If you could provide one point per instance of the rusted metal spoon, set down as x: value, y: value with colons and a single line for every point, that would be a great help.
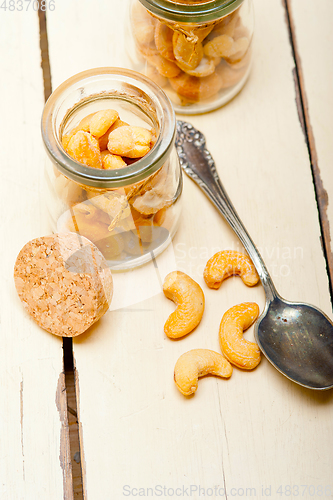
x: 296, y: 338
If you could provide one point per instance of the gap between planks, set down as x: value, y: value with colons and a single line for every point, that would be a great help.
x: 44, y: 49
x: 72, y: 415
x: 303, y: 110
x: 73, y: 424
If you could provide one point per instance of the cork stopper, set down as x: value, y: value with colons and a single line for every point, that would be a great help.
x: 63, y: 282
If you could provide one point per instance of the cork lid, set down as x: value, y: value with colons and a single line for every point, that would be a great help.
x: 63, y: 282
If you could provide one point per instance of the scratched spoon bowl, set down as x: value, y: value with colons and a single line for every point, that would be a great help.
x: 297, y: 338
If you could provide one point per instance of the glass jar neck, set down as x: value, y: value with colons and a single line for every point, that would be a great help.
x: 183, y: 11
x: 126, y: 85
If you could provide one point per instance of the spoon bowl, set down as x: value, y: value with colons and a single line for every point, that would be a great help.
x: 296, y: 338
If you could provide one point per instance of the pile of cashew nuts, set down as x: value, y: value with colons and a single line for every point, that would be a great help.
x: 190, y: 301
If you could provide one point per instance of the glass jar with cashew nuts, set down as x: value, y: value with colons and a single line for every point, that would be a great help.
x: 113, y: 173
x: 198, y: 51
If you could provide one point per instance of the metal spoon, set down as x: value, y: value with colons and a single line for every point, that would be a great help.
x: 296, y: 338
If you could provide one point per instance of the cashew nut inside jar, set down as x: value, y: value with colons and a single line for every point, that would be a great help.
x: 198, y: 51
x: 112, y: 171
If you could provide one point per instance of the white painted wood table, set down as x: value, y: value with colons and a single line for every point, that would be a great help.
x: 257, y: 434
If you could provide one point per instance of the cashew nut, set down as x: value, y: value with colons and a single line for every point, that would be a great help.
x: 84, y: 148
x: 236, y: 349
x: 205, y: 68
x: 197, y: 363
x: 190, y: 300
x: 163, y: 41
x: 227, y: 263
x: 144, y: 24
x: 194, y: 88
x: 101, y: 121
x: 155, y: 194
x: 187, y: 53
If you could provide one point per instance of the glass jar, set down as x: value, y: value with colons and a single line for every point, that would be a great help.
x: 130, y: 213
x: 198, y: 51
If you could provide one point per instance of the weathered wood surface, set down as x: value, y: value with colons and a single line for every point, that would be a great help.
x: 33, y: 427
x: 313, y: 36
x: 257, y: 430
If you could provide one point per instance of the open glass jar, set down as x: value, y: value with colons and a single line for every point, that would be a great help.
x: 198, y: 51
x: 130, y: 213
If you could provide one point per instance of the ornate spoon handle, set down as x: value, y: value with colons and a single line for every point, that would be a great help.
x: 198, y: 164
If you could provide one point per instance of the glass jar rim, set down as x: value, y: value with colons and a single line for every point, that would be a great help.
x: 191, y: 13
x: 98, y: 178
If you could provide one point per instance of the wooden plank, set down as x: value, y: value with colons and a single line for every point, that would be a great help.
x: 33, y: 419
x: 312, y: 34
x: 98, y: 38
x: 257, y: 430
